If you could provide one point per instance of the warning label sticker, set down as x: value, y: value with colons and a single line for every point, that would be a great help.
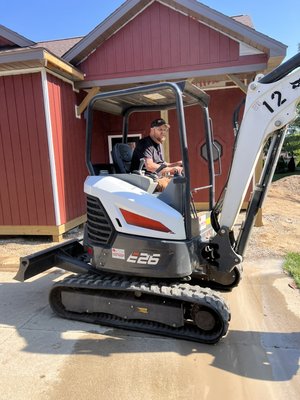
x: 118, y: 253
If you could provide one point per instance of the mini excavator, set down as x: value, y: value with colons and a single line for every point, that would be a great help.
x: 143, y: 263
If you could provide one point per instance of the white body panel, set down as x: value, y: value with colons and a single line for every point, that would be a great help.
x: 268, y: 108
x: 115, y: 194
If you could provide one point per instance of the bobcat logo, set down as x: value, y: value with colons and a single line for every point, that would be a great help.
x: 295, y: 84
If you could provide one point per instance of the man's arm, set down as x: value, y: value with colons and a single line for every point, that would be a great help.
x: 171, y: 168
x: 175, y: 164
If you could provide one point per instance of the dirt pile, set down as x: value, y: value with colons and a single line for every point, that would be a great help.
x: 280, y: 232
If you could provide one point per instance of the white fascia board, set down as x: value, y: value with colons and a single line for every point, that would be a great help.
x: 246, y: 50
x: 21, y: 71
x: 51, y: 147
x: 172, y: 76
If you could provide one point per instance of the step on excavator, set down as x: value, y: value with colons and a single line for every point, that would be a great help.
x: 145, y: 263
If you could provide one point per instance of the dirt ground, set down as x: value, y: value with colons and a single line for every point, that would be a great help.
x: 279, y: 234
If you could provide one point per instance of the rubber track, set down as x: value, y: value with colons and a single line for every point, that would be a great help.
x: 178, y: 291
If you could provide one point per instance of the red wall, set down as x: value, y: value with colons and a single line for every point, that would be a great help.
x: 69, y: 148
x: 107, y: 124
x: 161, y: 40
x: 26, y: 190
x: 221, y: 109
x: 25, y: 182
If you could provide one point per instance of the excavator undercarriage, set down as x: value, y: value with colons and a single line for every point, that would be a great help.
x: 178, y: 308
x: 170, y: 309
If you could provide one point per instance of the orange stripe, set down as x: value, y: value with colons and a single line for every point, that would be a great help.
x: 143, y: 222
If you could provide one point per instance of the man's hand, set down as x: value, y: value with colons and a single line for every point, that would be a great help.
x: 174, y: 168
x: 169, y: 168
x: 177, y: 170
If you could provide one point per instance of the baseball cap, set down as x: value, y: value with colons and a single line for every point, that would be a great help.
x: 159, y: 122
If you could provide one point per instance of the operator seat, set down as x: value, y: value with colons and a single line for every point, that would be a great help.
x: 122, y: 155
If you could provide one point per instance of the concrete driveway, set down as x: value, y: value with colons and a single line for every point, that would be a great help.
x: 45, y: 357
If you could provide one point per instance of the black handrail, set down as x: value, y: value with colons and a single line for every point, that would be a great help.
x: 182, y: 134
x: 282, y: 70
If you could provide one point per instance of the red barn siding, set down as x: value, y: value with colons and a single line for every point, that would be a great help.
x: 101, y: 129
x: 108, y: 124
x: 222, y: 105
x: 69, y: 148
x: 25, y: 191
x: 160, y: 40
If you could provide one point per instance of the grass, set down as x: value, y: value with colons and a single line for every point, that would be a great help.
x: 292, y: 266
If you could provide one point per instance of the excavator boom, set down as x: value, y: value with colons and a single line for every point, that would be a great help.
x: 271, y: 105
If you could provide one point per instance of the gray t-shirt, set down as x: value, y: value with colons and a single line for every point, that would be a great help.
x: 146, y: 148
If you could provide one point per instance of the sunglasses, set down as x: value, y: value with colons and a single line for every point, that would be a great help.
x: 162, y: 129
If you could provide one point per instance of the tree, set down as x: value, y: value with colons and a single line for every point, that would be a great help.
x: 281, y: 166
x: 291, y: 165
x: 292, y: 141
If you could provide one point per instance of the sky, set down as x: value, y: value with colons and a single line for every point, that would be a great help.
x: 41, y: 20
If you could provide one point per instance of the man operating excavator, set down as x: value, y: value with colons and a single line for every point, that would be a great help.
x: 149, y: 149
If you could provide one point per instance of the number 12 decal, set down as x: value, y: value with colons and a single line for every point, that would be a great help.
x: 280, y: 101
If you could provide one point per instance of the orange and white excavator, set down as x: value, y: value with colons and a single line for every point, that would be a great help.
x: 144, y: 263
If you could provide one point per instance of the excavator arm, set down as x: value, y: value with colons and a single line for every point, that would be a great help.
x: 270, y: 106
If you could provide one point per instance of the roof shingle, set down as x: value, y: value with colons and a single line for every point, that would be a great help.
x: 60, y: 46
